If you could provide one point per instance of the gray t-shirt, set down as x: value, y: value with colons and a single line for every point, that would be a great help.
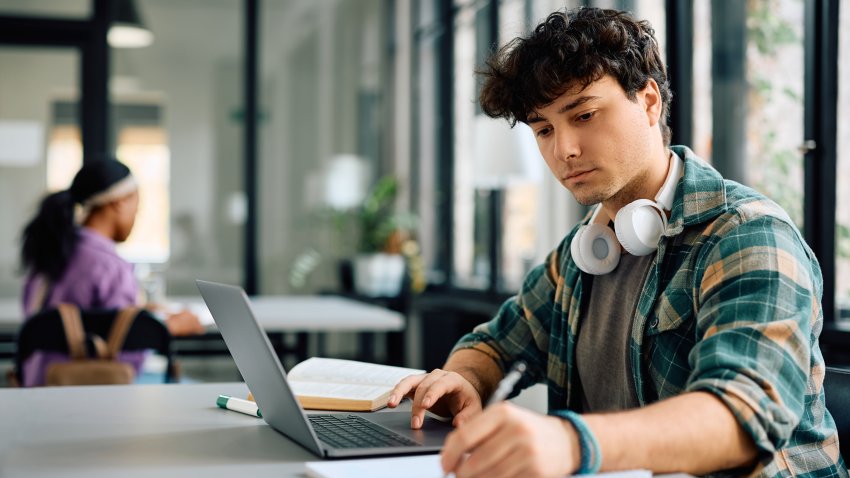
x: 602, y: 348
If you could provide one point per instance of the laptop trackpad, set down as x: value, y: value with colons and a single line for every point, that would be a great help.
x: 432, y: 433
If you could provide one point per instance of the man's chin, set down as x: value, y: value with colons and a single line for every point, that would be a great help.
x: 588, y: 200
x: 585, y: 196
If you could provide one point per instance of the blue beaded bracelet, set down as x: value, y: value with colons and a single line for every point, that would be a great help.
x: 591, y: 454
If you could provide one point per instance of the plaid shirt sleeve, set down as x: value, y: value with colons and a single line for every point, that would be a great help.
x: 757, y: 307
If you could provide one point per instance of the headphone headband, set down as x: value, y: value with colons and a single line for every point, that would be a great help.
x: 667, y: 192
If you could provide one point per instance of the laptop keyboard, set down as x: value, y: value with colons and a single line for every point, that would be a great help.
x: 351, y: 431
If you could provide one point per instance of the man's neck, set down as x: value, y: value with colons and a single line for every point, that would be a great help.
x: 645, y: 186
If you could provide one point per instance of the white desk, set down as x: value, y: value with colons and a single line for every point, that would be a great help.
x: 143, y: 430
x: 140, y: 431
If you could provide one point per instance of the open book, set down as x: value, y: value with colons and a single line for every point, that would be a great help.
x: 334, y: 384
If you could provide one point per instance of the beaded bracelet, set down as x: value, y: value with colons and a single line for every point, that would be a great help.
x: 591, y: 454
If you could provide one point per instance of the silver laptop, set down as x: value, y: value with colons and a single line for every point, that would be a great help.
x: 329, y: 435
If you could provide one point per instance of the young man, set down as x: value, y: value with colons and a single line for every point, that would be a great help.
x: 680, y: 319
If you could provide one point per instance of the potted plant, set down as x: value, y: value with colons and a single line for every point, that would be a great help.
x: 378, y: 266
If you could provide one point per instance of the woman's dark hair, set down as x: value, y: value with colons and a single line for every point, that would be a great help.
x: 50, y: 238
x: 572, y: 48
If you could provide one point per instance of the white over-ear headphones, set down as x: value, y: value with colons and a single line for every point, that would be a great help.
x: 639, y: 225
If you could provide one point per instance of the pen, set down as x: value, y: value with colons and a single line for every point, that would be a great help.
x: 506, y: 385
x: 238, y: 405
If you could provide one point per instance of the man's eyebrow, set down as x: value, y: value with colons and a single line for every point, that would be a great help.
x: 578, y: 102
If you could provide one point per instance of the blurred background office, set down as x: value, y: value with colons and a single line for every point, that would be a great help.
x: 257, y: 128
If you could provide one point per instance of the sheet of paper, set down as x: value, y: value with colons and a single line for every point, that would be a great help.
x: 420, y: 466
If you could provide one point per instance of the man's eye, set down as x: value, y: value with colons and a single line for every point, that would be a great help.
x: 543, y: 132
x: 586, y: 116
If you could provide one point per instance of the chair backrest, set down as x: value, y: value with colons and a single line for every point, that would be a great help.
x: 836, y: 388
x: 44, y: 331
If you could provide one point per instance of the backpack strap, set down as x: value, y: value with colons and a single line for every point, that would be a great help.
x: 40, y: 295
x: 120, y: 327
x: 74, y: 334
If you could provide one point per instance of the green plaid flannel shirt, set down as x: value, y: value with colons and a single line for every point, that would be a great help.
x: 731, y: 306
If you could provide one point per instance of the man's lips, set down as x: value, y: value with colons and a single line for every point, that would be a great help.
x: 578, y: 175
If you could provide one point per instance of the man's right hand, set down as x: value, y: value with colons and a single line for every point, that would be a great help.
x: 442, y: 392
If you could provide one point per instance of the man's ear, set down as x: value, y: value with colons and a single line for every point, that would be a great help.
x: 651, y: 100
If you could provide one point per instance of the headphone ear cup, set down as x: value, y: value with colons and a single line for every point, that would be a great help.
x: 639, y: 226
x: 597, y: 248
x: 575, y: 250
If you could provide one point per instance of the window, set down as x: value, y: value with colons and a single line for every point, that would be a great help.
x: 702, y: 117
x: 842, y: 209
x: 755, y: 54
x: 774, y: 128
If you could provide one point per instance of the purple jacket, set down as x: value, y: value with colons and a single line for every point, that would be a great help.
x: 96, y: 277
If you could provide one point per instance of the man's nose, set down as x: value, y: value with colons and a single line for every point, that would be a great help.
x: 566, y: 145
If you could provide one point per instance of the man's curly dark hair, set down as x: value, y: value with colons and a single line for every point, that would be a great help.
x: 571, y: 48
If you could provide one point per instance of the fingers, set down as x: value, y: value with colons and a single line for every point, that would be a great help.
x: 449, y: 391
x: 464, y: 415
x: 463, y: 440
x: 507, y: 441
x: 433, y: 387
x: 403, y: 388
x: 513, y: 463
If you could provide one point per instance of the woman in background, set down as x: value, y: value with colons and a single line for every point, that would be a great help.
x: 69, y: 254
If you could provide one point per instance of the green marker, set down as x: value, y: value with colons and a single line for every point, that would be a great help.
x: 238, y: 405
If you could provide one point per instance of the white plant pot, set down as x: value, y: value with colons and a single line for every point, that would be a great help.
x: 378, y: 275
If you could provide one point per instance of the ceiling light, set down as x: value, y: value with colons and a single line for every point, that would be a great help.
x: 127, y: 29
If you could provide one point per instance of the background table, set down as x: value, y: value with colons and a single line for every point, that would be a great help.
x: 278, y: 315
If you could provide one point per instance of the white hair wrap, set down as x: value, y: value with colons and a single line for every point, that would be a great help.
x: 117, y: 191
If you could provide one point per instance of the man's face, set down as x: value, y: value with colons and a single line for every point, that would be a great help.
x: 601, y: 145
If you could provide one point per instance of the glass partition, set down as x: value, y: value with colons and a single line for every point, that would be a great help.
x: 324, y: 138
x: 178, y: 124
x: 31, y: 81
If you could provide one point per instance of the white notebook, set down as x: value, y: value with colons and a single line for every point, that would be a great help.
x: 419, y: 466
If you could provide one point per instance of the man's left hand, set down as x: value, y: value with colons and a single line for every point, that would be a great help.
x: 507, y: 441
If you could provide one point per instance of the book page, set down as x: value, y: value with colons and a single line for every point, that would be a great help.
x: 348, y: 371
x: 342, y: 391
